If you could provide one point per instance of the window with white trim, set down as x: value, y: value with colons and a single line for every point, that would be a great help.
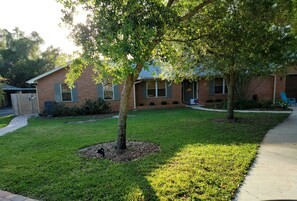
x: 108, y: 91
x: 66, y: 93
x: 156, y: 88
x: 220, y: 86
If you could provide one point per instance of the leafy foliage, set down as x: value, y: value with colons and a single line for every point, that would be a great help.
x: 236, y: 40
x: 21, y: 58
x: 120, y: 38
x: 89, y: 107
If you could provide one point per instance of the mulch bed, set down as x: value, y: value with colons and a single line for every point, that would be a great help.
x: 134, y: 151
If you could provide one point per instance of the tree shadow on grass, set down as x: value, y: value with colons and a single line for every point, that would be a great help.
x: 191, y: 145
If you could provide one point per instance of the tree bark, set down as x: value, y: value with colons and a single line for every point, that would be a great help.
x: 123, y: 111
x: 231, y: 86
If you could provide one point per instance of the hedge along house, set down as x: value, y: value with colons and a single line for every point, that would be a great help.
x: 148, y: 90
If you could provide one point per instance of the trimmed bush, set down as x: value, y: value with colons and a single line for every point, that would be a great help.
x: 218, y: 100
x: 90, y: 107
x: 152, y: 103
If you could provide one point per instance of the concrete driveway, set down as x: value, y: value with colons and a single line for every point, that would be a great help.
x: 6, y: 111
x: 274, y: 173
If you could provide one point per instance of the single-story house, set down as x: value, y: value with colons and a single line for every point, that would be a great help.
x: 152, y: 92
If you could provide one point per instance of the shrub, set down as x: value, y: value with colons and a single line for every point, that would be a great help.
x: 152, y: 103
x: 209, y: 101
x: 282, y: 104
x: 266, y: 104
x: 218, y: 100
x: 175, y: 102
x: 141, y: 104
x: 90, y: 107
x: 163, y: 103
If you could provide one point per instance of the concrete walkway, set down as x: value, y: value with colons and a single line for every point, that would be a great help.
x: 7, y: 196
x: 198, y: 107
x: 274, y: 173
x: 16, y: 123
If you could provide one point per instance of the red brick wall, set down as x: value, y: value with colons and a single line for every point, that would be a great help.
x: 86, y: 88
x: 263, y: 88
x: 176, y: 96
x: 203, y: 92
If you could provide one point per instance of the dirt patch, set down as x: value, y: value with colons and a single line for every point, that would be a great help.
x: 134, y: 151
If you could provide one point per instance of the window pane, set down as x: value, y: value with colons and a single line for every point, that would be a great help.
x: 108, y: 91
x: 161, y: 89
x: 66, y: 92
x: 151, y: 89
x: 219, y: 85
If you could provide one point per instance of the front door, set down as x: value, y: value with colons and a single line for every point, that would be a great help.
x: 189, y: 91
x: 291, y: 86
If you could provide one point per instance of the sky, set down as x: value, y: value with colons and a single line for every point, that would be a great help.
x: 42, y: 16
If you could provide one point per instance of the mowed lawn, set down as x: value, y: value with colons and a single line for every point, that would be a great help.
x: 4, y: 121
x: 200, y: 159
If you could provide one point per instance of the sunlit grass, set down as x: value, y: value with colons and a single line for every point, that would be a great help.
x: 200, y: 159
x: 4, y: 121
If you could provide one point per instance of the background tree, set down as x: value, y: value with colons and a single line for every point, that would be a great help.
x: 237, y: 40
x: 21, y: 58
x: 120, y: 38
x: 2, y: 82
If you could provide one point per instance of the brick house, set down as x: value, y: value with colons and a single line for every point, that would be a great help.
x: 150, y: 92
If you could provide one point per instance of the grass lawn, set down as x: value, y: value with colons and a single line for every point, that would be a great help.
x: 4, y: 121
x: 200, y: 159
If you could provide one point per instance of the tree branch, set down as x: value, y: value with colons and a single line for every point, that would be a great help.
x: 195, y: 10
x: 180, y: 40
x: 170, y: 2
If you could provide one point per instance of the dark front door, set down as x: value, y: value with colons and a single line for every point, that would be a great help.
x: 189, y: 91
x: 291, y: 86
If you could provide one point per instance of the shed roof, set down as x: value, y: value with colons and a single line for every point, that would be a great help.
x: 8, y: 87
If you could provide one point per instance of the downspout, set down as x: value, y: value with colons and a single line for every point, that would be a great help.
x: 274, y: 90
x: 134, y: 95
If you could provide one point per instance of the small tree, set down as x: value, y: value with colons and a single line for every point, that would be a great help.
x: 120, y: 38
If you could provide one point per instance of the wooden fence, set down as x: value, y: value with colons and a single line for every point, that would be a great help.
x: 23, y: 104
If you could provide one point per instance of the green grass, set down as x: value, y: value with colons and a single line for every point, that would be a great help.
x: 199, y: 160
x: 4, y: 121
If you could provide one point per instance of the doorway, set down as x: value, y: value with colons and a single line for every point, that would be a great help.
x: 189, y: 91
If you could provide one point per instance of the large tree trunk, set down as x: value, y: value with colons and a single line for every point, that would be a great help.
x: 231, y: 86
x: 123, y: 111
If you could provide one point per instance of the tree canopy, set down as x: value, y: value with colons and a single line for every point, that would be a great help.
x: 21, y: 58
x: 120, y: 38
x: 237, y: 39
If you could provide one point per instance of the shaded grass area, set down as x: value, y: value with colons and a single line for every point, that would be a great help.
x: 200, y: 159
x: 4, y: 121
